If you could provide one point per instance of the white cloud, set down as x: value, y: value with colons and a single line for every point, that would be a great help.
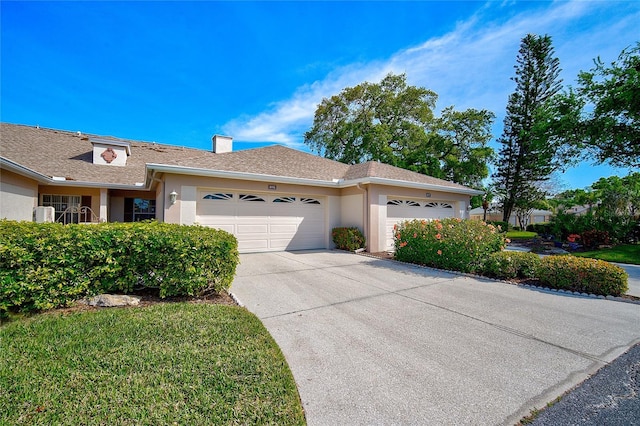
x: 468, y: 67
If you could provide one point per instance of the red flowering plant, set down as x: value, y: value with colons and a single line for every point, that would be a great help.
x: 573, y: 238
x: 452, y: 243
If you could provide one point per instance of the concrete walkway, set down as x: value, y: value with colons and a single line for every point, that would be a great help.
x: 373, y: 341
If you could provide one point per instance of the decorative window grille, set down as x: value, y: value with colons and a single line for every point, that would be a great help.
x: 309, y: 201
x: 437, y: 205
x: 219, y: 196
x: 285, y: 200
x: 409, y: 203
x: 249, y: 197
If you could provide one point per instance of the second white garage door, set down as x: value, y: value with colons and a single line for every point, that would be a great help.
x: 399, y: 210
x: 264, y: 222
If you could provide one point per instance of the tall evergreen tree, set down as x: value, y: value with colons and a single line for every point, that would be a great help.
x: 527, y: 156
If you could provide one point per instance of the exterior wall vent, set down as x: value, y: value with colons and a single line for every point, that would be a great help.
x: 110, y: 152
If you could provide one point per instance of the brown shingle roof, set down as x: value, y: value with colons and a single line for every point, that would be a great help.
x: 70, y: 155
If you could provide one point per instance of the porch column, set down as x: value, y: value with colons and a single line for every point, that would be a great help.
x: 104, y: 197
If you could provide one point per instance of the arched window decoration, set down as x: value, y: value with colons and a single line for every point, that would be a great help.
x: 285, y: 200
x: 309, y: 201
x: 219, y: 196
x: 409, y: 203
x: 249, y: 197
x: 437, y: 205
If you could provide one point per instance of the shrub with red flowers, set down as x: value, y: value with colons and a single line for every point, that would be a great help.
x: 583, y: 274
x: 349, y: 239
x: 452, y: 243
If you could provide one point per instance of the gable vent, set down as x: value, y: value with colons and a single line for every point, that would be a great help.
x: 110, y: 152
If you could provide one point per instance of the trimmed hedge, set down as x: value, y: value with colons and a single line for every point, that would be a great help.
x: 583, y: 275
x: 512, y: 264
x: 350, y: 239
x: 454, y: 244
x: 47, y: 265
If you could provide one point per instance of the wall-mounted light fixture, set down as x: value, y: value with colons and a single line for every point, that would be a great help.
x: 173, y: 196
x: 428, y: 195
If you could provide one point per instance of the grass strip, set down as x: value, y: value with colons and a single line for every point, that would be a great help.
x: 514, y: 235
x: 175, y: 363
x: 626, y: 253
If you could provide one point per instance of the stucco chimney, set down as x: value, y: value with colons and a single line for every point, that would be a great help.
x: 222, y: 144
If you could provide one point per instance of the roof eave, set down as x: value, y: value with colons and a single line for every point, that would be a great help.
x: 47, y: 180
x: 181, y: 170
x: 415, y: 185
x: 337, y: 183
x: 23, y: 171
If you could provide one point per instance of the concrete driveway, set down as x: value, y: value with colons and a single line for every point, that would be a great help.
x: 376, y: 342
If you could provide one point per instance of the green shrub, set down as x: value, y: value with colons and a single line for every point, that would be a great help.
x: 511, y: 264
x: 350, y: 239
x: 454, y: 244
x: 47, y: 265
x: 593, y: 238
x: 583, y: 275
x: 543, y: 228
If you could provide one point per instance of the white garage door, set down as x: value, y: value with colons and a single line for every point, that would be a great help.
x: 399, y: 210
x: 261, y: 222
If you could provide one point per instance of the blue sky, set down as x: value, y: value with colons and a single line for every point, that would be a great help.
x: 179, y: 72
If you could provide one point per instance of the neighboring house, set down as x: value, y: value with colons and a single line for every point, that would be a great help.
x: 271, y: 199
x: 493, y: 214
x: 579, y: 210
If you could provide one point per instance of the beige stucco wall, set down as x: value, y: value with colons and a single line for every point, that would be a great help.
x: 187, y: 187
x: 183, y: 211
x: 18, y: 196
x: 345, y: 207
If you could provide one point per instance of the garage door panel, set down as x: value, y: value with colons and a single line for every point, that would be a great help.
x: 265, y: 222
x: 252, y: 245
x: 218, y: 208
x: 283, y: 228
x: 244, y: 229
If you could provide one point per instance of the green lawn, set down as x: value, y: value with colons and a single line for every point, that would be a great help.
x: 628, y: 253
x: 174, y: 363
x: 522, y: 235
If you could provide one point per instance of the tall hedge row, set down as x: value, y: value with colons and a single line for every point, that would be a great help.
x: 43, y: 266
x: 475, y: 246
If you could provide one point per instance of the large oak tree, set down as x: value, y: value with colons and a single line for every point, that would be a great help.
x: 394, y: 123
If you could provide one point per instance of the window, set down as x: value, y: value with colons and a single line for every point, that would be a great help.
x: 437, y: 205
x: 309, y: 201
x: 248, y: 197
x: 409, y: 203
x: 285, y: 200
x: 219, y: 196
x: 61, y: 202
x: 137, y: 209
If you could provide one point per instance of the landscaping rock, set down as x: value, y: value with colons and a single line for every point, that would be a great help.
x: 112, y: 300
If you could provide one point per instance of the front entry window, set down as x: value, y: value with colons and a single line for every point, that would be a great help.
x: 137, y: 209
x: 60, y: 203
